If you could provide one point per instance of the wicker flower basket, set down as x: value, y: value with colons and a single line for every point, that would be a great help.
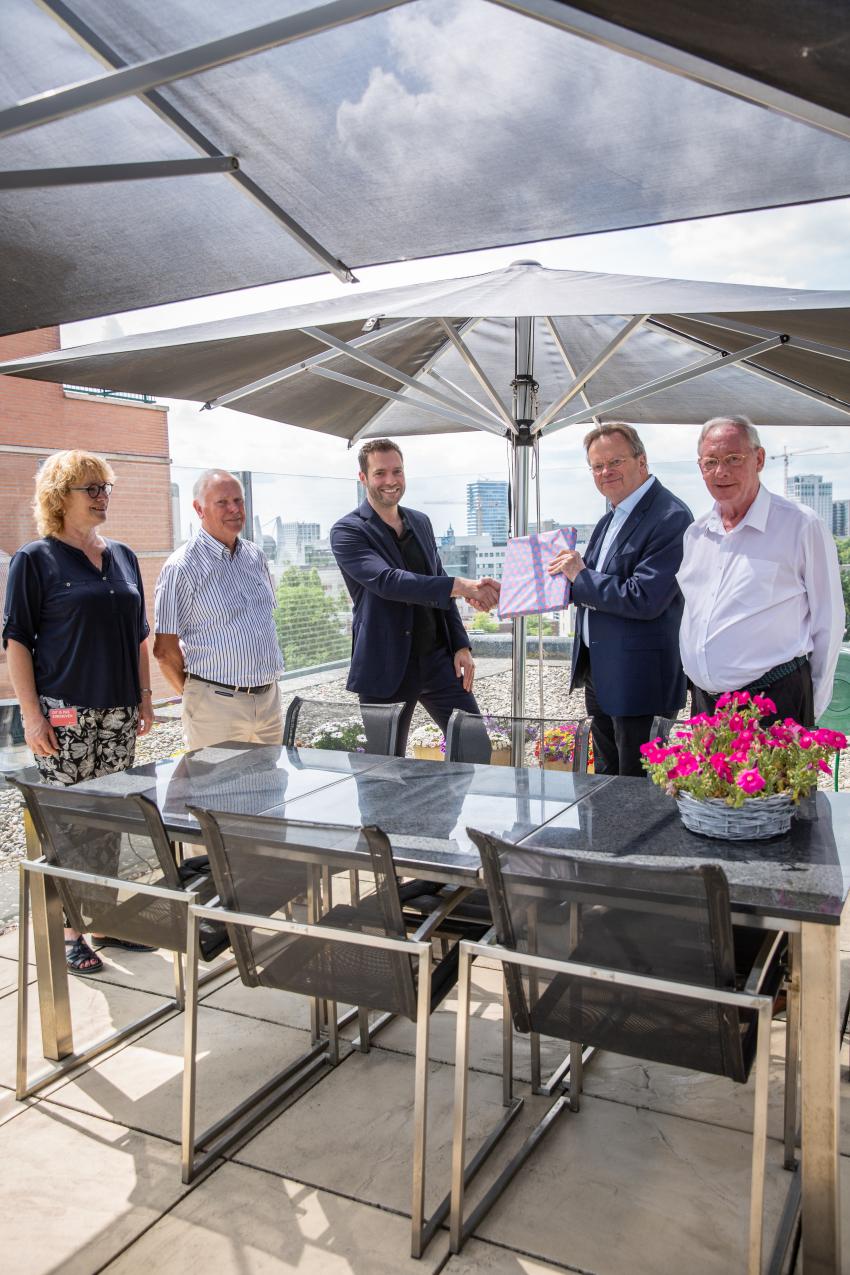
x: 759, y: 817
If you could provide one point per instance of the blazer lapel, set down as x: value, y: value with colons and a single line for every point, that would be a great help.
x: 596, y: 540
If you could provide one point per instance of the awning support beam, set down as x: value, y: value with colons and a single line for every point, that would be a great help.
x: 421, y: 405
x: 677, y: 61
x: 478, y: 372
x: 592, y: 368
x: 386, y: 369
x: 667, y: 382
x: 90, y: 174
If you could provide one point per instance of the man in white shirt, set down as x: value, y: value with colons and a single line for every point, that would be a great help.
x: 626, y: 648
x: 215, y: 640
x: 763, y: 604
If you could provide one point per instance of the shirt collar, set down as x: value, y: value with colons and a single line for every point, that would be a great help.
x: 214, y: 548
x: 631, y: 502
x: 755, y: 517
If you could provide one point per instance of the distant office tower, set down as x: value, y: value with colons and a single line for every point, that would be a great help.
x: 449, y: 537
x: 841, y: 518
x: 292, y: 539
x: 487, y: 510
x: 812, y: 491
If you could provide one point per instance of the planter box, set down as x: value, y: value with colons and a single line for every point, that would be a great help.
x: 500, y: 757
x: 434, y: 753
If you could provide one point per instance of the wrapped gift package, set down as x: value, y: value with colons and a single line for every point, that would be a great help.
x: 527, y: 587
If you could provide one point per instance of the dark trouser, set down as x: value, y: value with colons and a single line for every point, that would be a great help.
x: 793, y: 696
x: 429, y: 680
x: 616, y: 740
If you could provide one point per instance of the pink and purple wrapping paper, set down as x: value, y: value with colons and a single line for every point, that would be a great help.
x: 527, y: 587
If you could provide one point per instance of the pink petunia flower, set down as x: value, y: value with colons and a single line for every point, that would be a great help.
x: 686, y: 764
x: 750, y: 780
x: 720, y: 764
x: 723, y: 700
x: 805, y: 739
x: 825, y: 767
x: 764, y: 704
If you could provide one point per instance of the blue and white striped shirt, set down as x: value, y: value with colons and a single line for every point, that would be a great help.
x: 221, y: 607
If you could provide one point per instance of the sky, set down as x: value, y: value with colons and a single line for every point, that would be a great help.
x: 803, y: 247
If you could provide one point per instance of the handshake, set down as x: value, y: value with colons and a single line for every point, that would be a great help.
x: 481, y: 594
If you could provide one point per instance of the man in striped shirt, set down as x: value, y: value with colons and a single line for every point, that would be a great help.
x: 215, y: 640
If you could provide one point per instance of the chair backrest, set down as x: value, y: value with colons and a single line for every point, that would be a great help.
x: 116, y: 837
x: 553, y: 743
x: 656, y: 922
x: 661, y: 728
x: 345, y: 727
x: 273, y: 868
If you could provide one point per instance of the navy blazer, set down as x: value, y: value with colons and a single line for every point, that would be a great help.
x: 384, y: 592
x: 635, y: 609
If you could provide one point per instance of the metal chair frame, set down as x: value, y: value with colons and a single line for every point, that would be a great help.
x: 460, y: 1227
x: 322, y: 1056
x: 42, y: 869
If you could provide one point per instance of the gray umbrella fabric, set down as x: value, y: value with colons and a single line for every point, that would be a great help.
x: 277, y: 364
x: 431, y: 128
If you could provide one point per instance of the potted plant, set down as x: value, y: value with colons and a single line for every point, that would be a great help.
x: 346, y: 736
x: 428, y: 743
x: 500, y: 743
x: 734, y: 778
x: 556, y: 749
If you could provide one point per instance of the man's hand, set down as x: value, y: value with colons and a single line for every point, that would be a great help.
x: 465, y: 667
x: 40, y: 736
x: 568, y: 563
x: 482, y: 594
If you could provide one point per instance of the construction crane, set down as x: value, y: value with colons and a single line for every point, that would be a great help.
x: 785, y: 456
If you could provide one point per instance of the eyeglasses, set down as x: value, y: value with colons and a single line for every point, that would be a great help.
x: 708, y: 464
x: 94, y: 489
x: 614, y: 464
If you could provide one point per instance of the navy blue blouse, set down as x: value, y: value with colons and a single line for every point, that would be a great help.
x: 82, y: 626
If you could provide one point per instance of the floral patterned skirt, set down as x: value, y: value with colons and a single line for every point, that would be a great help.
x: 102, y: 742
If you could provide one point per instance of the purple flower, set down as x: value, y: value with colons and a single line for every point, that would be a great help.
x: 750, y: 780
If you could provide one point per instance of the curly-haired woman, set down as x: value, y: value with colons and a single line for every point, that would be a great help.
x: 75, y: 633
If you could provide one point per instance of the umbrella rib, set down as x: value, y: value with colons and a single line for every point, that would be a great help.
x: 167, y: 111
x: 592, y: 368
x: 458, y: 389
x: 667, y: 382
x: 387, y: 369
x: 562, y: 350
x: 478, y: 372
x: 679, y: 62
x: 748, y: 329
x: 295, y: 369
x: 470, y: 422
x: 89, y: 174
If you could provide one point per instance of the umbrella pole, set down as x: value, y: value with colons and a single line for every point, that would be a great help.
x: 524, y: 404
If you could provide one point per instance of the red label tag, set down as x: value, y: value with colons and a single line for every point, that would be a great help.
x: 62, y: 717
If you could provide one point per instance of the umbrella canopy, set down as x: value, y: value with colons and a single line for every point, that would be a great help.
x: 205, y: 158
x: 441, y: 356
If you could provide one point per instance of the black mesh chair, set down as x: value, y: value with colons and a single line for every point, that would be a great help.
x: 115, y: 873
x: 345, y: 727
x: 495, y: 738
x: 273, y: 879
x: 637, y: 960
x: 661, y: 728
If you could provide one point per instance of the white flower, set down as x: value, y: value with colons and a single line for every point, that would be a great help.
x: 427, y: 736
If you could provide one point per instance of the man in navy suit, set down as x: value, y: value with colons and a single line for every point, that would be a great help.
x: 408, y: 642
x: 628, y: 604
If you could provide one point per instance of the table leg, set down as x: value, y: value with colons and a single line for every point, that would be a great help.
x: 819, y: 1069
x: 48, y: 938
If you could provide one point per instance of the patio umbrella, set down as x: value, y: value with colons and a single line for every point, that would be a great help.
x: 520, y: 352
x: 190, y: 156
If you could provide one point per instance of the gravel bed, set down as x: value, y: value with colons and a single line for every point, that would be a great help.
x: 493, y: 693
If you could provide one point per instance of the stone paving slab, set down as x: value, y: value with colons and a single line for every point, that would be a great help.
x: 244, y: 1222
x: 481, y: 1258
x: 76, y: 1190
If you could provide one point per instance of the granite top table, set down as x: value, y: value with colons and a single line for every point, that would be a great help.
x: 801, y: 876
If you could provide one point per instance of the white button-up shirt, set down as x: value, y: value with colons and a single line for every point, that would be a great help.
x: 760, y: 595
x: 221, y: 606
x: 621, y: 513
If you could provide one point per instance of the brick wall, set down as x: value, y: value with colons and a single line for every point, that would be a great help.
x: 37, y: 418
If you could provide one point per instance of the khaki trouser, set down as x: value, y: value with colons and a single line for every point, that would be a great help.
x: 212, y: 715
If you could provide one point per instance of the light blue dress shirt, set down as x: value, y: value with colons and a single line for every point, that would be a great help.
x: 621, y: 513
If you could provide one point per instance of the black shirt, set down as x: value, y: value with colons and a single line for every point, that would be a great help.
x: 82, y: 626
x: 427, y: 634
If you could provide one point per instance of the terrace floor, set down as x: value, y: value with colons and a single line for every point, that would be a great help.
x: 651, y: 1176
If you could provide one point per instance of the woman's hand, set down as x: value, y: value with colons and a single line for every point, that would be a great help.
x: 40, y: 735
x: 145, y: 714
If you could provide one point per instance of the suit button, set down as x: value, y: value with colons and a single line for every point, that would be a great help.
x: 407, y: 632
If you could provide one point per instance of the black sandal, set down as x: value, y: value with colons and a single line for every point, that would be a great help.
x: 80, y: 959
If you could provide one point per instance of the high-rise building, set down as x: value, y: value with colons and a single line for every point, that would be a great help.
x: 812, y: 491
x: 292, y: 539
x: 841, y: 518
x: 487, y: 509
